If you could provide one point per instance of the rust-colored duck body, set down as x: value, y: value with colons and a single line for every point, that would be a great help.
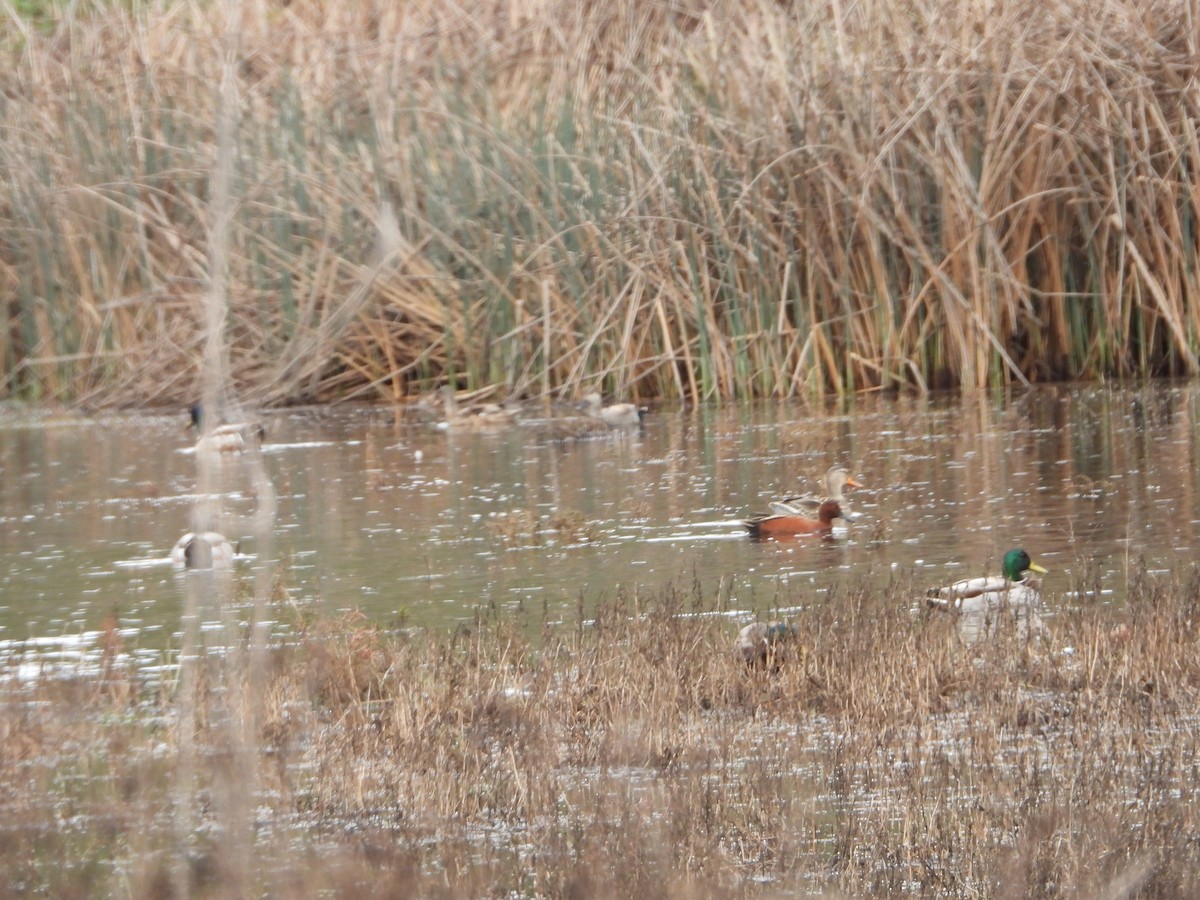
x: 789, y: 525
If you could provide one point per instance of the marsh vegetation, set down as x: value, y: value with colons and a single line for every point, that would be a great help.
x: 629, y: 753
x: 681, y: 200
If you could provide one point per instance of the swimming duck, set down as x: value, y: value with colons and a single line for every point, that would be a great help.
x: 479, y: 415
x: 567, y: 428
x: 617, y: 415
x: 783, y: 524
x: 202, y: 551
x: 760, y: 641
x: 234, y: 438
x: 1015, y: 587
x: 836, y: 479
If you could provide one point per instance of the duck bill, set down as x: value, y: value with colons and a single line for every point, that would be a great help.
x: 1034, y: 567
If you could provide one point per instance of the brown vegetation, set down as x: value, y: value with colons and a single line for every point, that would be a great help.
x: 691, y: 200
x: 633, y: 753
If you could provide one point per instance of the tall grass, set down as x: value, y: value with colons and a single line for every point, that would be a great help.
x: 633, y: 754
x: 691, y: 200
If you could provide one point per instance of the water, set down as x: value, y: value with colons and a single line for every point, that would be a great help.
x: 409, y: 523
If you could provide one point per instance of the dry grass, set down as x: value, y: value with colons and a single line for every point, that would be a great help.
x: 690, y: 200
x: 632, y: 754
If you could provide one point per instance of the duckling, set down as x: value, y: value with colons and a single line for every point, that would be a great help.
x: 836, y: 479
x: 790, y: 524
x: 617, y: 415
x: 1015, y: 587
x: 234, y: 438
x: 202, y: 551
x: 480, y: 415
x: 759, y: 642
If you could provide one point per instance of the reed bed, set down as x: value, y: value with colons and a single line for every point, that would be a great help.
x: 681, y: 200
x: 628, y: 752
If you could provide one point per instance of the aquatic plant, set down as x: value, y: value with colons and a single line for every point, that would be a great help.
x: 699, y: 203
x: 630, y: 750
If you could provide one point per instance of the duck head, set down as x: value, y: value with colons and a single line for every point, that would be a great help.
x: 829, y: 510
x: 1017, y: 563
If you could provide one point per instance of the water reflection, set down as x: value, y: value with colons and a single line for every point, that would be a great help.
x: 404, y: 521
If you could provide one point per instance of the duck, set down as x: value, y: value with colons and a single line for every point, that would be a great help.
x: 1017, y: 586
x: 617, y: 415
x: 231, y: 438
x: 760, y: 641
x: 480, y: 415
x: 785, y: 524
x: 837, y: 479
x: 569, y: 428
x: 202, y: 550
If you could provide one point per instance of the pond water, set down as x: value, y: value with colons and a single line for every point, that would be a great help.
x: 407, y: 522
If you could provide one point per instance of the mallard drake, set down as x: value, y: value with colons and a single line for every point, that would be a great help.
x: 202, y: 550
x: 760, y: 641
x: 617, y: 415
x: 1016, y: 587
x: 783, y: 524
x: 232, y: 438
x: 479, y: 415
x: 836, y: 480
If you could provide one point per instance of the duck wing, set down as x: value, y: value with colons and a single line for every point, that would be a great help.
x: 984, y: 593
x: 972, y: 587
x: 803, y: 503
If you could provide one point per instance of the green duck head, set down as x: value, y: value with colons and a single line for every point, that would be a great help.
x: 1017, y: 563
